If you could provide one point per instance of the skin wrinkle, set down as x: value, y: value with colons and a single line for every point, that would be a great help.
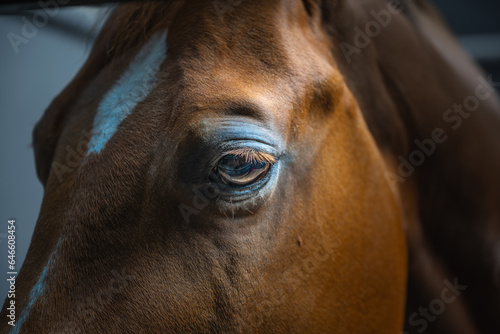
x: 269, y: 75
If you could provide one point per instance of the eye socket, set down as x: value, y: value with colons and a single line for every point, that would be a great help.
x: 243, y: 167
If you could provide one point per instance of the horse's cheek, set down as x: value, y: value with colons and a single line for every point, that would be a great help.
x: 367, y: 269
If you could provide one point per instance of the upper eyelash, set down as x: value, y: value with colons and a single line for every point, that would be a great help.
x: 251, y: 156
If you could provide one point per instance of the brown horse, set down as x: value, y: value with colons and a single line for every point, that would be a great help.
x: 267, y: 167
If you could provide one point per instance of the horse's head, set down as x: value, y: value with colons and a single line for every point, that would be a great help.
x: 209, y: 170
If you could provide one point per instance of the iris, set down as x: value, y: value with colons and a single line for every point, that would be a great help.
x: 242, y: 168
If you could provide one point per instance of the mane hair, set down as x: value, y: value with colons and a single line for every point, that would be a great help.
x: 133, y: 23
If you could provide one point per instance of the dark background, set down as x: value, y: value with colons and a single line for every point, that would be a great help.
x: 477, y: 24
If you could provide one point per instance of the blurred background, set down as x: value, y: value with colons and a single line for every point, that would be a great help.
x: 35, y: 71
x: 477, y: 25
x: 29, y: 79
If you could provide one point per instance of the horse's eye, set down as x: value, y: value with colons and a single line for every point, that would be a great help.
x: 241, y: 170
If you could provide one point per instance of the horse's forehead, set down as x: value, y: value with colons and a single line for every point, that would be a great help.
x: 255, y: 34
x: 247, y: 56
x: 209, y: 62
x: 148, y: 78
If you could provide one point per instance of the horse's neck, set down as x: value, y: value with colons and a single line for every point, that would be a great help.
x: 405, y: 82
x: 456, y: 234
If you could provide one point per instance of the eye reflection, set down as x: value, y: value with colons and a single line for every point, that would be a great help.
x: 243, y: 166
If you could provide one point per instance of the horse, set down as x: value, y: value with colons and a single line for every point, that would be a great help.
x: 286, y: 166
